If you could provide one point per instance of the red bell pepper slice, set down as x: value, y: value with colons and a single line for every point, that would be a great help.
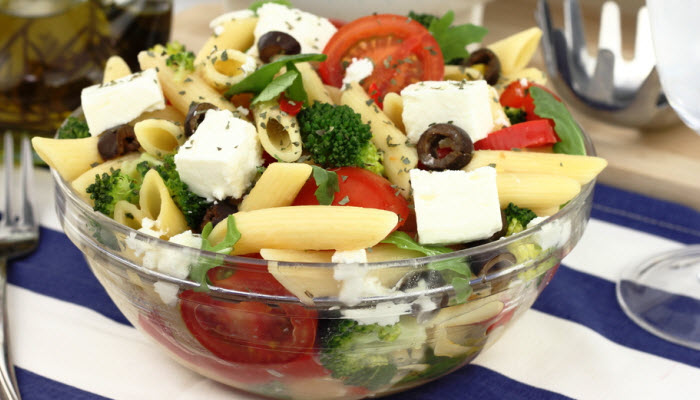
x: 290, y: 107
x: 525, y: 134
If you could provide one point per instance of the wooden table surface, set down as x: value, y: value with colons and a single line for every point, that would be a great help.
x: 663, y: 163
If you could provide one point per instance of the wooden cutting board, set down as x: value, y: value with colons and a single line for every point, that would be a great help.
x: 663, y: 163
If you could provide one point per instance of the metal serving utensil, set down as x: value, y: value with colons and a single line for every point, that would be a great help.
x: 607, y: 87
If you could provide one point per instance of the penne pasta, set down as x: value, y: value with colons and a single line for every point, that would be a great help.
x: 393, y: 108
x: 458, y: 73
x: 314, y: 87
x: 159, y: 137
x: 399, y: 158
x: 583, y: 169
x: 169, y: 113
x: 69, y: 157
x: 308, y: 228
x: 515, y: 51
x: 87, y: 178
x: 277, y: 187
x: 531, y: 74
x: 224, y: 68
x: 128, y: 214
x: 182, y: 94
x: 535, y: 191
x: 115, y: 68
x: 278, y: 131
x: 379, y: 253
x: 237, y: 34
x: 334, y: 93
x: 156, y: 204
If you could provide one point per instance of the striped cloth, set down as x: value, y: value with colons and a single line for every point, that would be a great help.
x: 69, y: 341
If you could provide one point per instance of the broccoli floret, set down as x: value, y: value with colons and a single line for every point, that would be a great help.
x: 367, y: 355
x: 515, y: 115
x: 517, y: 218
x: 179, y: 59
x: 371, y: 159
x: 336, y: 136
x: 73, y: 128
x: 191, y: 205
x: 423, y: 19
x: 109, y: 189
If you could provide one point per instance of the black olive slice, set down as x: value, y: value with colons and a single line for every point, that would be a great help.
x: 195, y: 116
x: 219, y: 211
x: 440, y: 135
x: 117, y: 141
x: 433, y: 280
x: 492, y: 66
x: 276, y: 43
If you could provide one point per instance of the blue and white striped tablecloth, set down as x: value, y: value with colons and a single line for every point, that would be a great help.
x: 71, y: 342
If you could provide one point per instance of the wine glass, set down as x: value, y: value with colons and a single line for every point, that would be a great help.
x: 662, y: 294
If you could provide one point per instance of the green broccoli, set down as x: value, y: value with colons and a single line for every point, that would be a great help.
x: 109, y: 189
x: 515, y: 115
x: 517, y: 218
x: 179, y: 59
x: 191, y: 205
x: 336, y: 137
x: 423, y: 19
x: 73, y: 128
x: 368, y: 355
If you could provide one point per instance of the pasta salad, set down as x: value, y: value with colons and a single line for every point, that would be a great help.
x: 290, y: 137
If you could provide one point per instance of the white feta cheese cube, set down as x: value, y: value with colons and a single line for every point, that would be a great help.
x: 456, y: 206
x: 121, y: 101
x: 358, y: 70
x: 311, y: 31
x: 466, y: 104
x: 349, y: 256
x: 221, y: 158
x: 217, y: 24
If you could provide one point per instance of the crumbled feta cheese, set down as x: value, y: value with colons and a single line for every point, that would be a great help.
x: 466, y: 104
x: 350, y: 256
x: 358, y: 70
x: 221, y: 158
x: 535, y: 221
x: 151, y: 228
x: 172, y: 262
x: 167, y: 292
x: 456, y: 206
x: 384, y: 313
x: 121, y: 101
x: 355, y: 284
x: 217, y: 24
x: 554, y: 234
x: 311, y: 31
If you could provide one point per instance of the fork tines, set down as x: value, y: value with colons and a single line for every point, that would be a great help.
x: 16, y: 218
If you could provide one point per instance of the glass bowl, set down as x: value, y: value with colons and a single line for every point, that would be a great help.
x: 266, y: 341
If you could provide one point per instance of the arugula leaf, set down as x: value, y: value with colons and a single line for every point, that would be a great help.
x: 453, y: 40
x: 277, y: 86
x: 198, y: 272
x: 546, y: 106
x: 403, y: 241
x: 327, y: 182
x: 462, y: 289
x: 296, y: 91
x: 257, y: 4
x: 258, y: 80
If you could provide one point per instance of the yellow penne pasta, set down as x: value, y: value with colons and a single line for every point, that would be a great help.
x: 159, y: 137
x: 378, y: 253
x: 535, y: 191
x: 399, y: 158
x: 583, y: 169
x: 226, y: 67
x: 115, y: 68
x: 169, y: 113
x: 458, y: 73
x: 546, y: 212
x: 157, y: 204
x: 87, y: 178
x: 69, y: 157
x: 237, y: 34
x: 313, y: 85
x: 278, y: 131
x: 277, y: 187
x: 308, y: 228
x: 334, y: 93
x: 389, y: 252
x: 181, y: 94
x: 515, y: 51
x: 393, y: 108
x: 128, y: 214
x: 531, y: 74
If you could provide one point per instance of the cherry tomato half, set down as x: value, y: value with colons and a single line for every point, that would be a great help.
x: 516, y: 95
x: 359, y: 188
x: 249, y: 332
x: 403, y: 52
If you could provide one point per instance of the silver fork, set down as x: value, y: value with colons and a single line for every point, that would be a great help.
x: 606, y: 86
x: 19, y: 235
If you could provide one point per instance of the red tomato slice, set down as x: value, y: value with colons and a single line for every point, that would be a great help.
x: 516, y: 95
x: 290, y: 107
x: 338, y: 23
x: 519, y: 136
x: 359, y: 188
x: 249, y: 332
x: 403, y: 52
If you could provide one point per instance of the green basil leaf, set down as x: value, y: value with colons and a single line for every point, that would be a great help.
x: 277, y: 86
x: 260, y: 3
x: 327, y: 182
x: 462, y: 289
x: 295, y: 91
x: 547, y: 106
x: 453, y: 40
x: 198, y: 271
x: 403, y: 241
x: 258, y: 80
